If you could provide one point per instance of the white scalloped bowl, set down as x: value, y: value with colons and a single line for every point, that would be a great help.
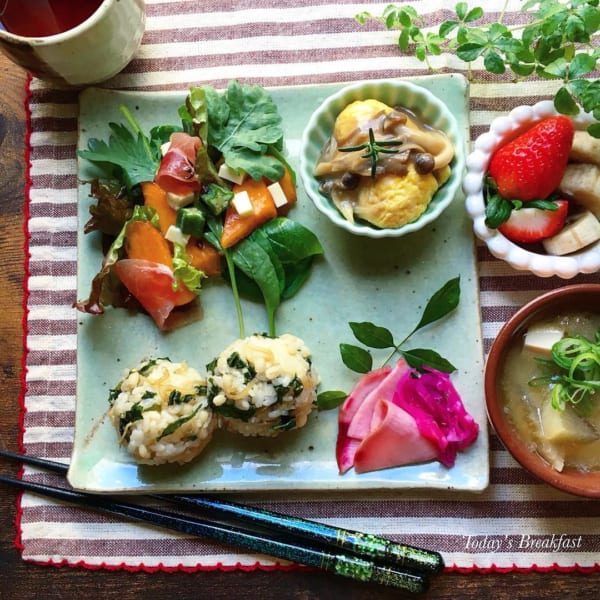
x: 502, y: 130
x: 394, y: 93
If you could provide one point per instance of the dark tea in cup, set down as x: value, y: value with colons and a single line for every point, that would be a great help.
x: 40, y: 18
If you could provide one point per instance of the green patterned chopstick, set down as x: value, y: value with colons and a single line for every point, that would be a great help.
x: 362, y: 545
x: 365, y: 545
x: 339, y: 564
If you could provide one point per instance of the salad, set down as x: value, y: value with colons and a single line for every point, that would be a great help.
x: 205, y: 198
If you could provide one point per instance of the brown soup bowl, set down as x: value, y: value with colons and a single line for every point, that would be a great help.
x: 573, y: 297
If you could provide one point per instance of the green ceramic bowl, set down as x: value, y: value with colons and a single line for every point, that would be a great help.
x: 392, y: 92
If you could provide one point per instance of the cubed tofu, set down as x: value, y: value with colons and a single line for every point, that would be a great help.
x: 230, y: 175
x: 277, y: 194
x: 560, y: 426
x: 175, y: 235
x: 242, y: 203
x: 176, y: 201
x: 540, y: 338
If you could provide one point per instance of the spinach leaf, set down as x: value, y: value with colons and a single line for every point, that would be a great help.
x: 296, y: 275
x: 291, y: 240
x: 256, y: 263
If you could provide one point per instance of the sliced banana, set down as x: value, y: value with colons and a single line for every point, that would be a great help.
x: 581, y: 183
x: 585, y: 148
x: 581, y: 232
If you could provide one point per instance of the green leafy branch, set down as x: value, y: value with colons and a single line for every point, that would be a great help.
x: 559, y: 42
x: 360, y: 360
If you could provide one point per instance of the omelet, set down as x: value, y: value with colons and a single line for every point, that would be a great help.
x: 383, y: 165
x: 356, y: 118
x: 390, y: 201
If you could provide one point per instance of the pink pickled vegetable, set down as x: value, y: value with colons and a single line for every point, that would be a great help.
x: 433, y: 402
x: 394, y: 440
x: 346, y: 446
x: 398, y: 416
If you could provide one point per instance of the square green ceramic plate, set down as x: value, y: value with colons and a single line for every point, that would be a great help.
x: 384, y: 281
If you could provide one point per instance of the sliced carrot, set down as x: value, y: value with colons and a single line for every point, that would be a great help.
x: 144, y: 241
x: 156, y: 197
x: 236, y: 226
x: 204, y: 257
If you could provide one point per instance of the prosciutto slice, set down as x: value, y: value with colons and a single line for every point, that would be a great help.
x: 151, y: 283
x: 177, y: 173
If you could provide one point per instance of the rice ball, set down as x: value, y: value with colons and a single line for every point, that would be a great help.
x: 261, y: 386
x: 161, y: 412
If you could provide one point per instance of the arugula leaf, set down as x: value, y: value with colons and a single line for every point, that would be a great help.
x: 243, y: 123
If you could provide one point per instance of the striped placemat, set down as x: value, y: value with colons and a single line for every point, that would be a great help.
x: 517, y: 523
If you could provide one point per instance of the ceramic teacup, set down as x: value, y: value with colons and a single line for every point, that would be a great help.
x: 91, y: 52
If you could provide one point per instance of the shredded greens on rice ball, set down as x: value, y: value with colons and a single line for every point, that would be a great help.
x: 261, y: 386
x: 161, y: 412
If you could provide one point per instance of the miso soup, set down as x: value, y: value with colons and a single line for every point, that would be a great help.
x: 564, y: 438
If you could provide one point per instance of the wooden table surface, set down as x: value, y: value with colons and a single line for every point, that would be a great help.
x: 28, y: 581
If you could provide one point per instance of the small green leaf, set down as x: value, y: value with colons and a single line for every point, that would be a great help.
x: 356, y: 358
x: 421, y: 357
x: 473, y: 15
x: 447, y: 27
x: 330, y: 399
x: 521, y: 69
x: 461, y: 10
x: 557, y: 68
x: 372, y: 335
x: 582, y: 64
x: 594, y: 130
x: 444, y: 301
x: 493, y: 63
x: 564, y: 102
x: 404, y: 40
x: 470, y: 51
x: 497, y: 211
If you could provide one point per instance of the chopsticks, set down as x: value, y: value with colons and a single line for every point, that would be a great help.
x: 352, y: 554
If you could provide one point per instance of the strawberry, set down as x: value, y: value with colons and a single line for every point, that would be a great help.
x: 532, y: 165
x: 528, y: 225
